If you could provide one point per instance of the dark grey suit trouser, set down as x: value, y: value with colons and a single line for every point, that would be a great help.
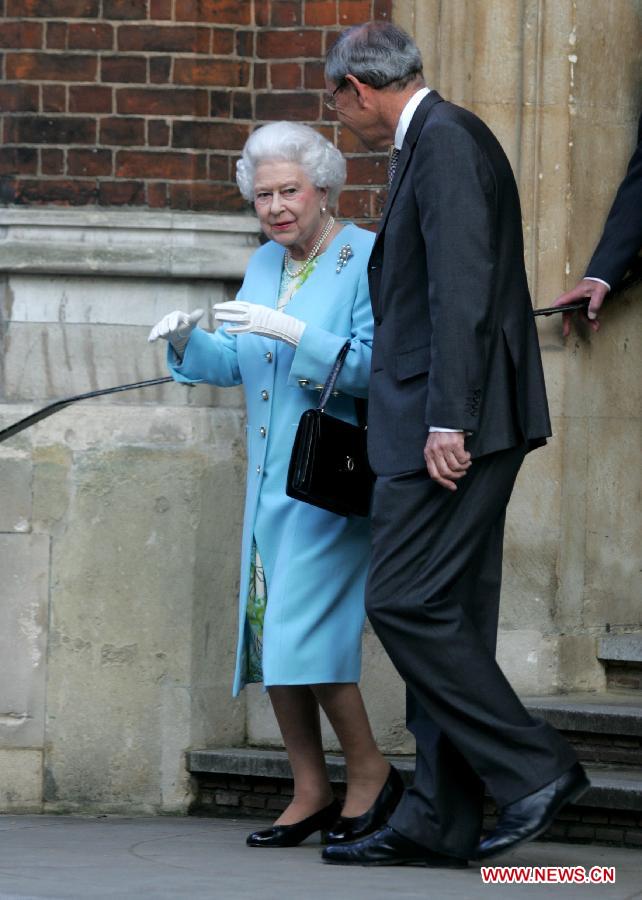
x: 433, y: 599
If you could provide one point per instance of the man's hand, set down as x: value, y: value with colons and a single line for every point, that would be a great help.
x: 446, y: 458
x: 587, y: 287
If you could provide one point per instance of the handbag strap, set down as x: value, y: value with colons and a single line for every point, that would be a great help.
x: 332, y: 377
x: 360, y: 404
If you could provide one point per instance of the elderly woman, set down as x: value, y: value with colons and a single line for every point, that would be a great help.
x: 303, y: 569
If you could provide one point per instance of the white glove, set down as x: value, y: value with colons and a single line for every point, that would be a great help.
x: 176, y: 328
x: 259, y: 319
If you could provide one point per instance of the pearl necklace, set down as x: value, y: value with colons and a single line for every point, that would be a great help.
x: 286, y: 261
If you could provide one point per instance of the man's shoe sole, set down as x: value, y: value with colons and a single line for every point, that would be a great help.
x: 427, y: 864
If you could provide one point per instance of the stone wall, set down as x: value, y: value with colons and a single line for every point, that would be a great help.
x: 120, y: 518
x: 559, y: 84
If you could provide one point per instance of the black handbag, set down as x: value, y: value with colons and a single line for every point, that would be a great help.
x: 329, y: 463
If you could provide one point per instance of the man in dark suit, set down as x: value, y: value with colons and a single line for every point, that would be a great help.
x: 620, y: 243
x: 456, y: 400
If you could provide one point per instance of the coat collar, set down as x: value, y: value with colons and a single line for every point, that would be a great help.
x: 411, y: 138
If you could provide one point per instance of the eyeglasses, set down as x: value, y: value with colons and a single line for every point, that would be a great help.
x: 329, y: 100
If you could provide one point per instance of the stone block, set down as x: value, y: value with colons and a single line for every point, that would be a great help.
x: 574, y: 445
x: 51, y: 361
x: 579, y: 667
x: 65, y: 340
x: 610, y: 95
x: 620, y: 647
x: 20, y: 781
x: 80, y: 300
x: 618, y: 395
x: 384, y: 695
x: 261, y: 724
x: 543, y: 184
x: 15, y: 478
x: 129, y: 617
x: 529, y: 661
x: 149, y: 243
x: 51, y: 487
x: 615, y: 534
x: 531, y: 542
x: 598, y: 714
x: 217, y: 718
x: 24, y: 608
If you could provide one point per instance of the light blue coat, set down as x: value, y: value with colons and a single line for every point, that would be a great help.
x: 315, y: 562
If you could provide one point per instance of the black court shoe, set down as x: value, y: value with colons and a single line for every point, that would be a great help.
x: 351, y: 828
x: 292, y: 835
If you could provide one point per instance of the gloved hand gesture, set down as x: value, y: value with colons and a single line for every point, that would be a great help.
x: 176, y: 328
x: 252, y: 317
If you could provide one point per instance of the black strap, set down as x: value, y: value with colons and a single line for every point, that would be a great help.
x: 57, y: 405
x: 332, y: 377
x: 361, y: 405
x: 551, y: 310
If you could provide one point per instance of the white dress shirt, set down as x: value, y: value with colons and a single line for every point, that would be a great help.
x: 406, y: 115
x: 601, y: 280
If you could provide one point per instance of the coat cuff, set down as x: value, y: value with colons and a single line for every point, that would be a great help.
x: 314, y: 357
x: 461, y: 415
x: 178, y: 365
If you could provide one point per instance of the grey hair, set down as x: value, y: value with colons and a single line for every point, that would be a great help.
x: 376, y: 53
x: 293, y: 142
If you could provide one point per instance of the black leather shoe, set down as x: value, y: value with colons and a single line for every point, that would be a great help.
x: 524, y: 819
x: 387, y: 847
x: 352, y: 828
x: 292, y: 835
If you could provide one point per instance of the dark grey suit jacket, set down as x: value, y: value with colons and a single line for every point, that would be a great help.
x: 455, y: 343
x: 622, y: 236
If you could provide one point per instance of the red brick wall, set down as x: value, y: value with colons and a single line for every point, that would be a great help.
x: 148, y: 102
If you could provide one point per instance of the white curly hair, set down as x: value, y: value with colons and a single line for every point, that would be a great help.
x: 293, y: 142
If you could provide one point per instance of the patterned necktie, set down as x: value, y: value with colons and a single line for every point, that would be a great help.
x: 392, y: 165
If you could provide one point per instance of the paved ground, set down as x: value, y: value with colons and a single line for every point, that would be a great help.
x: 61, y: 857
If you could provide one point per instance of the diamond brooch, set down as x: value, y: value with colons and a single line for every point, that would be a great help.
x: 345, y: 254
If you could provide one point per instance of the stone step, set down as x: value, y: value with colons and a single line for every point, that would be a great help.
x: 612, y: 787
x: 624, y: 648
x: 611, y: 713
x: 606, y: 730
x: 621, y: 655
